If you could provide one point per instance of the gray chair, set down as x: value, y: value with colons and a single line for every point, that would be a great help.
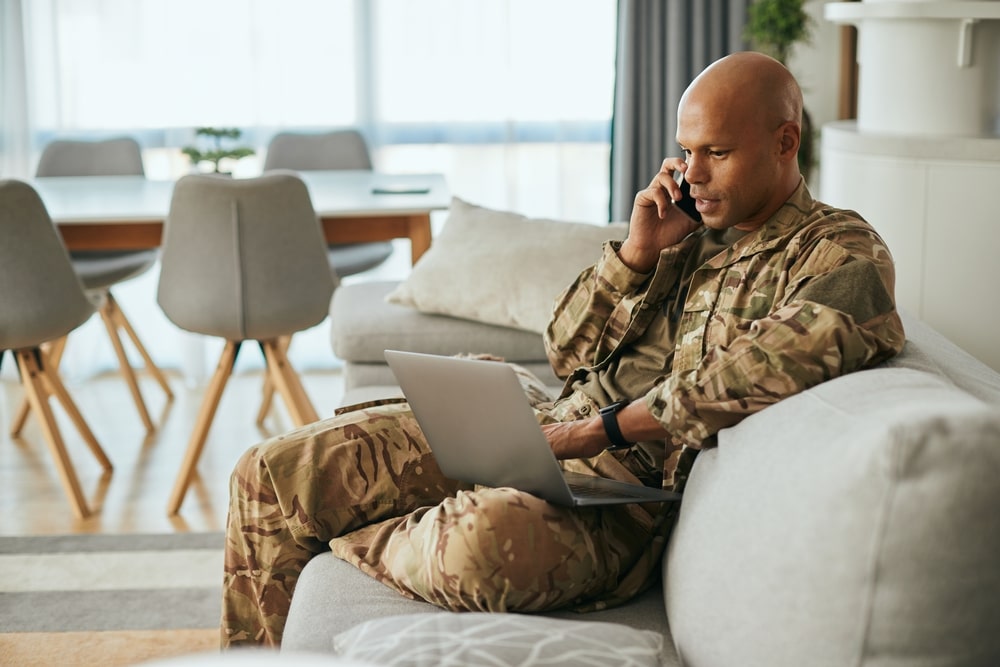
x: 244, y: 260
x: 340, y: 149
x: 101, y: 270
x: 41, y: 300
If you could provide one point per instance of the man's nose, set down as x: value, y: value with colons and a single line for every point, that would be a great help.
x: 696, y: 171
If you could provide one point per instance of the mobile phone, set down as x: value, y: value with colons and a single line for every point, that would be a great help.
x: 686, y: 203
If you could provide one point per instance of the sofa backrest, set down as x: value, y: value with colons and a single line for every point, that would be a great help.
x: 928, y: 350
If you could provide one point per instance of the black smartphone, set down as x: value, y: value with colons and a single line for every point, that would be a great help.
x: 686, y: 203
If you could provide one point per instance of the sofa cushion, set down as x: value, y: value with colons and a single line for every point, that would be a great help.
x: 855, y: 523
x: 501, y: 268
x: 333, y: 596
x: 363, y: 326
x: 430, y: 640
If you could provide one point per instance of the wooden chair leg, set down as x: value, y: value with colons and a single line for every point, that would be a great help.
x: 37, y: 381
x: 128, y: 373
x: 118, y: 317
x: 114, y: 320
x: 266, y: 399
x: 53, y: 351
x: 288, y: 384
x: 267, y: 392
x: 55, y: 387
x: 20, y: 417
x: 202, y: 424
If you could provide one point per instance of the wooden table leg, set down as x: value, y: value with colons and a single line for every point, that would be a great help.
x: 364, y: 229
x: 420, y: 236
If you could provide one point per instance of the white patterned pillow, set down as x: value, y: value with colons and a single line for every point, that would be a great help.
x: 475, y: 638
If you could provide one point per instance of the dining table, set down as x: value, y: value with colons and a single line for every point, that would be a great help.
x: 353, y: 206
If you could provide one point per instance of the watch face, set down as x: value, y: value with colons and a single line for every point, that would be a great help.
x: 613, y: 407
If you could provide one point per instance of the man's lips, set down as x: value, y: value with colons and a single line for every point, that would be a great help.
x: 704, y: 204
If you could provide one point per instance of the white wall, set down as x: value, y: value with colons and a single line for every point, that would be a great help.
x: 817, y: 67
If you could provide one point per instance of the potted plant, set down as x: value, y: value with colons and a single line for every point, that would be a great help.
x: 774, y: 27
x: 215, y: 152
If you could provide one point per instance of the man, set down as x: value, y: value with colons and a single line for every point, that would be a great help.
x: 684, y: 328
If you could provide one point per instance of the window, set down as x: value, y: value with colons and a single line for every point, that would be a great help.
x: 518, y: 90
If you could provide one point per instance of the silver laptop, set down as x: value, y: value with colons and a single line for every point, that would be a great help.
x: 482, y: 430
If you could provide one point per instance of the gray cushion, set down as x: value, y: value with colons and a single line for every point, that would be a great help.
x: 346, y: 259
x: 100, y: 269
x: 332, y: 597
x: 855, y: 523
x: 363, y: 326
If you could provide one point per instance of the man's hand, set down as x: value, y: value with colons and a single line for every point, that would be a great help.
x: 576, y: 440
x: 584, y: 438
x: 656, y: 223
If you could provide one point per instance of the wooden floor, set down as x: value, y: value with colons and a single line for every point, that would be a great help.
x: 133, y: 498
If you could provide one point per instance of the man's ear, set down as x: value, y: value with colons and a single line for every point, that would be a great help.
x: 789, y: 137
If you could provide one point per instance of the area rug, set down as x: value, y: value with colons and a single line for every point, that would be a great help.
x: 108, y: 599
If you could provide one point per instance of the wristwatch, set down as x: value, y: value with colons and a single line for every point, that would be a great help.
x: 609, y: 417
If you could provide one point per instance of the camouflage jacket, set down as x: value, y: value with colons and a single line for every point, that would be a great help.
x: 805, y: 298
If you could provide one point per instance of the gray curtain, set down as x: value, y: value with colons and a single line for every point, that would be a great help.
x: 662, y: 46
x: 15, y: 147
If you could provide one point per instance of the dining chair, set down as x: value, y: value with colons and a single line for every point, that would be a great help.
x: 100, y: 270
x: 334, y: 150
x: 243, y: 260
x: 41, y: 300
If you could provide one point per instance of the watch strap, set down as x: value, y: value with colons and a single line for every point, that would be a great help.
x: 609, y: 418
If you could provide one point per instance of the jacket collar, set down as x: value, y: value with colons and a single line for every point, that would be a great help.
x: 786, y: 221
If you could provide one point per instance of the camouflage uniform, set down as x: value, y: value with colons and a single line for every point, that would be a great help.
x: 806, y: 298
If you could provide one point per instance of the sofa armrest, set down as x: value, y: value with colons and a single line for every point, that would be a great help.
x: 857, y: 519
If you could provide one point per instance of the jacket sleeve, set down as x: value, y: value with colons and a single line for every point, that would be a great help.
x: 837, y: 315
x: 593, y: 313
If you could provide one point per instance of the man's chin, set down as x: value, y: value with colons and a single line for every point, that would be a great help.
x: 716, y: 222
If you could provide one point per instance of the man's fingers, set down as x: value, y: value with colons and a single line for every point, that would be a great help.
x: 655, y: 195
x: 668, y: 182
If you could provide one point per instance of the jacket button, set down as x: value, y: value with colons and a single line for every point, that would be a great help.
x: 584, y: 409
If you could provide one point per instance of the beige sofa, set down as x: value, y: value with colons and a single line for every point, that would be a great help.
x: 857, y: 523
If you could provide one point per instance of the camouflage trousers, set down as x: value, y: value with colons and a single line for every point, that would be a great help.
x: 365, y: 485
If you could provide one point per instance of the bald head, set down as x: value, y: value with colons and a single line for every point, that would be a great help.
x: 740, y: 124
x: 747, y: 81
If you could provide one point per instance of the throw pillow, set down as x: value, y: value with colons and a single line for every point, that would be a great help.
x: 479, y: 638
x: 501, y: 268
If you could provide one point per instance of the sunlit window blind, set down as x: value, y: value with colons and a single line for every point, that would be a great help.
x: 490, y: 85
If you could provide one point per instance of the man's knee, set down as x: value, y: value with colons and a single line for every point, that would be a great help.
x: 505, y: 550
